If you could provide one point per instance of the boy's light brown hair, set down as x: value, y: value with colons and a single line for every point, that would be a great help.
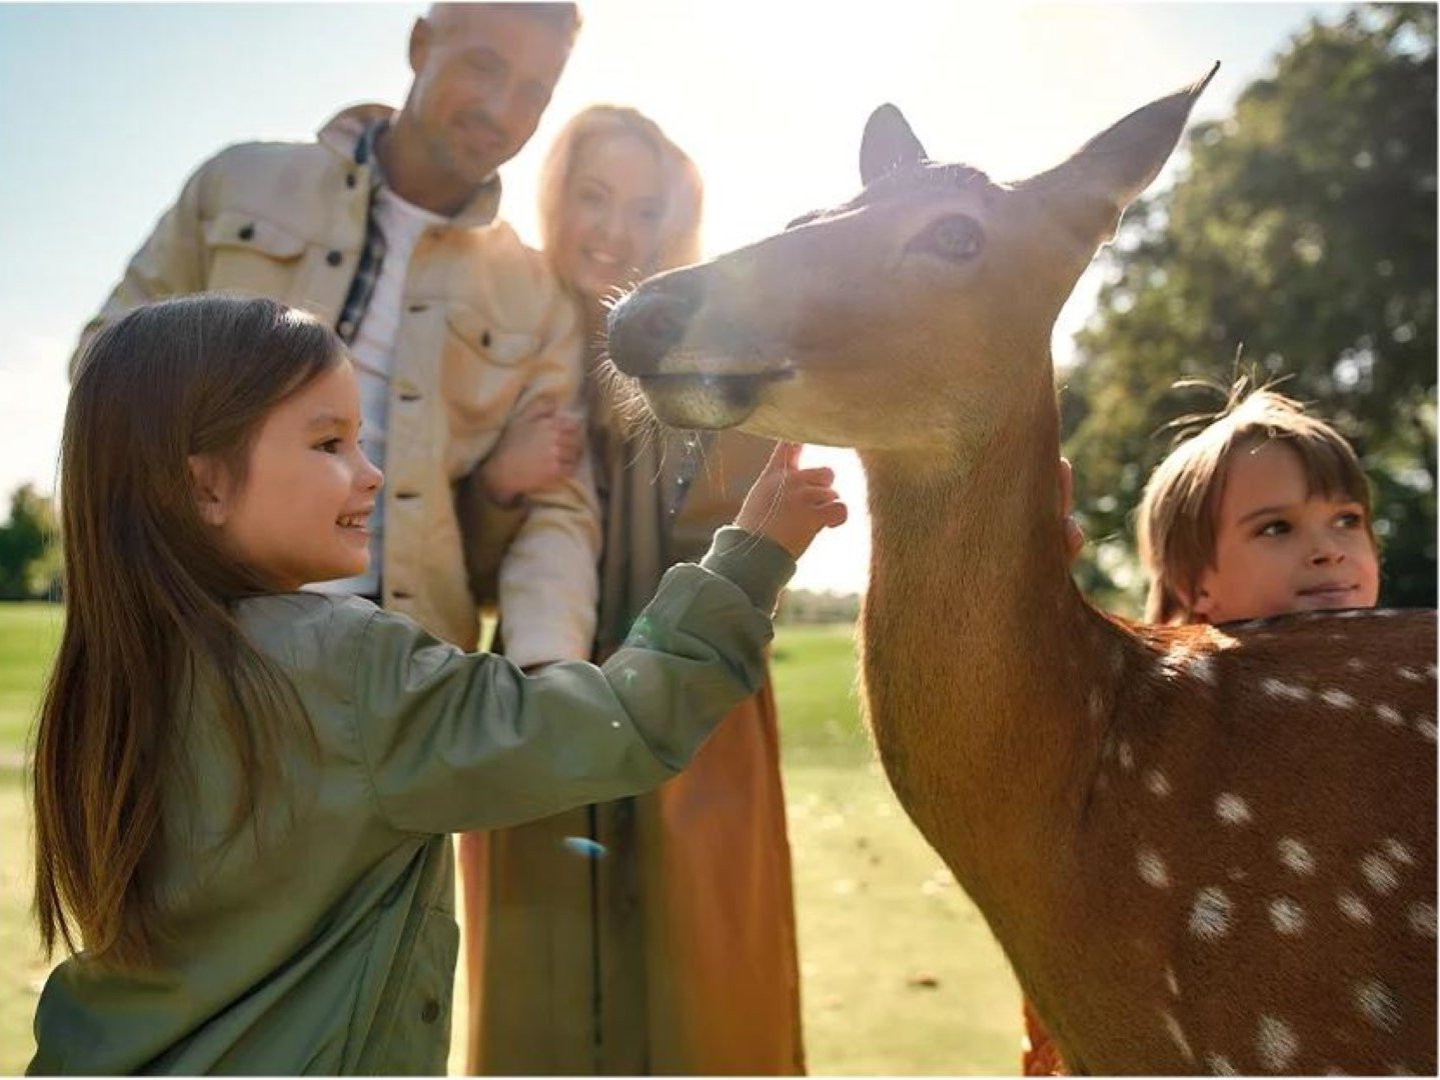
x: 1179, y: 511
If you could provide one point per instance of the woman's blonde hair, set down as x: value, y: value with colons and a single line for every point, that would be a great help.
x: 1178, y: 514
x: 679, y: 232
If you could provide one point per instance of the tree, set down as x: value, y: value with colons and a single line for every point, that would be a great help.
x: 29, y: 557
x: 1301, y: 231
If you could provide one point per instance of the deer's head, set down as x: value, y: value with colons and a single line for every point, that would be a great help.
x: 904, y: 318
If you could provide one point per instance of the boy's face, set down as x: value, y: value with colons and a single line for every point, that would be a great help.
x: 1277, y: 550
x: 301, y: 513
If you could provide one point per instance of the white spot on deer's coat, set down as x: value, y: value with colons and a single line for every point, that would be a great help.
x: 1178, y: 1034
x: 1426, y: 726
x: 1173, y: 984
x: 1278, y: 688
x: 1389, y: 715
x: 1210, y: 914
x: 1296, y: 856
x: 1276, y: 1044
x: 1236, y: 874
x: 1380, y: 873
x: 1096, y: 704
x: 1337, y: 699
x: 1203, y: 668
x: 1232, y: 809
x: 1287, y: 916
x: 1354, y: 664
x: 1422, y: 918
x: 1219, y: 1065
x: 1127, y: 757
x: 1409, y: 674
x: 1430, y: 670
x: 1397, y: 851
x: 1353, y: 908
x: 1377, y: 1004
x: 1157, y: 783
x: 1152, y: 868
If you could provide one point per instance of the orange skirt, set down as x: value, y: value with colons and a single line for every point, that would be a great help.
x: 669, y: 949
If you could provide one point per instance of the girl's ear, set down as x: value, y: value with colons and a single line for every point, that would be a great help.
x: 210, y: 489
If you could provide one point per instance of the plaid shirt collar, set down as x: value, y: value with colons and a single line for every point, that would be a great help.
x: 479, y: 211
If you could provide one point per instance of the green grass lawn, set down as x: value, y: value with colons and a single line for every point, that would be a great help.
x: 899, y: 974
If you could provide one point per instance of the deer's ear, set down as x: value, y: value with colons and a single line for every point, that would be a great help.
x: 1092, y: 189
x: 888, y: 144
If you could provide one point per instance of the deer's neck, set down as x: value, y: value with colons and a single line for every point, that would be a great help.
x: 979, y: 658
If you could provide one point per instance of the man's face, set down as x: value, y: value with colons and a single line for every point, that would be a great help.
x: 483, y: 76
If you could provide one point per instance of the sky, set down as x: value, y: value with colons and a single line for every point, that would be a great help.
x: 105, y: 109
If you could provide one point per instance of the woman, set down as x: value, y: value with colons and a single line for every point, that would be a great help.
x: 655, y: 934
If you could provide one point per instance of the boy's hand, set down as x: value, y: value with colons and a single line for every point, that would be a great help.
x: 788, y: 504
x: 540, y: 446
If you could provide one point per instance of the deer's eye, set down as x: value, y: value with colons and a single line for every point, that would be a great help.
x: 957, y: 238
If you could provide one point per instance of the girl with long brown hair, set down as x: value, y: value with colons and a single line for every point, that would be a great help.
x: 242, y: 789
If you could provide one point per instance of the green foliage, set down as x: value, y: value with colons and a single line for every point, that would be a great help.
x: 29, y: 554
x: 1300, y: 230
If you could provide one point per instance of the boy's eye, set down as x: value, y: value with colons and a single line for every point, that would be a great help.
x: 329, y: 446
x: 1278, y: 527
x: 1350, y: 520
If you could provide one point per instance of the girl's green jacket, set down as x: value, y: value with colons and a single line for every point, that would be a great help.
x: 322, y: 937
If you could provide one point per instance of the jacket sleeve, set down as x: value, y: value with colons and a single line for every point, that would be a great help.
x: 171, y: 262
x: 549, y: 575
x: 454, y: 741
x: 489, y: 529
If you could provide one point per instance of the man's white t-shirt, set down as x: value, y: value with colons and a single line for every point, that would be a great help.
x: 374, y: 352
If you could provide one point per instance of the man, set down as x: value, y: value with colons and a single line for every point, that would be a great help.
x: 385, y: 227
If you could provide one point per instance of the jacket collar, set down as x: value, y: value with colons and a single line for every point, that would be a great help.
x: 351, y: 132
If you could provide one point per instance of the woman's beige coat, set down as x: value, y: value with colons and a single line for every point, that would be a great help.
x: 669, y: 948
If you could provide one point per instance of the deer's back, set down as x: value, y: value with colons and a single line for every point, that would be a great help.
x: 1257, y: 853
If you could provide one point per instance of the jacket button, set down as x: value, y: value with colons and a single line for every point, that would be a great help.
x: 485, y: 340
x: 415, y: 309
x: 350, y: 180
x: 334, y: 258
x: 247, y: 232
x: 430, y: 1011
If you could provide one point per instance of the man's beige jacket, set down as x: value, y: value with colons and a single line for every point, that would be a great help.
x: 484, y: 330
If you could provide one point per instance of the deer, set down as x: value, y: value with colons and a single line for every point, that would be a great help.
x: 1203, y: 849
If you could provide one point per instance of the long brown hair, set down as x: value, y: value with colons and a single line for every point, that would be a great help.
x: 148, y: 596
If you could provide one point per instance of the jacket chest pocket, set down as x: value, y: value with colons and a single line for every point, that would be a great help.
x: 482, y: 370
x: 251, y: 255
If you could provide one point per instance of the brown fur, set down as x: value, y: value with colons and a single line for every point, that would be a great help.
x: 1081, y: 776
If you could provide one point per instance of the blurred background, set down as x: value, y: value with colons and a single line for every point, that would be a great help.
x: 1292, y: 236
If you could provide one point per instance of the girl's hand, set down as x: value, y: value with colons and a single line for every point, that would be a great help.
x: 539, y: 447
x: 789, y: 504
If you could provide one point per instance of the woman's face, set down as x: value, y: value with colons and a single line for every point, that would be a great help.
x: 610, y: 214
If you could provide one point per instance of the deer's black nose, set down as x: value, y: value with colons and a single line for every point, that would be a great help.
x: 652, y: 320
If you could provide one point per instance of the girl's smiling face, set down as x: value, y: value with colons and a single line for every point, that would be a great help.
x: 299, y: 515
x: 610, y: 215
x: 1278, y: 548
